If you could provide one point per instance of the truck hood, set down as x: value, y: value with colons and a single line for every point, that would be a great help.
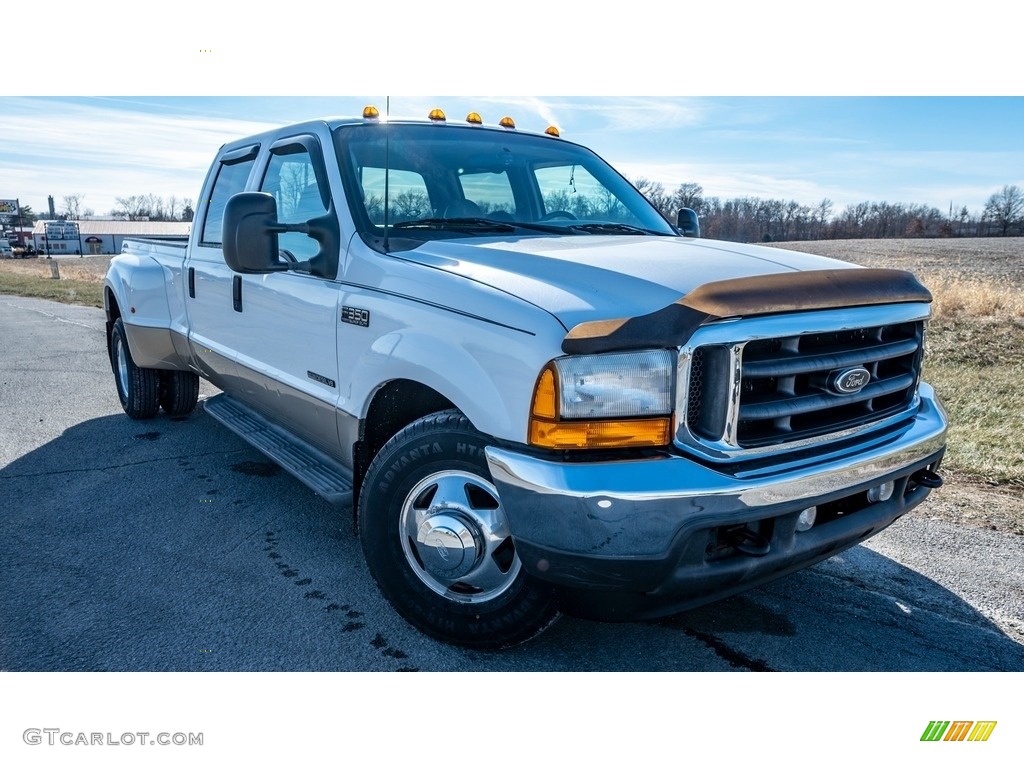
x: 586, y: 278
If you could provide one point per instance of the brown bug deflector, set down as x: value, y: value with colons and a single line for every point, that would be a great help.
x: 747, y: 297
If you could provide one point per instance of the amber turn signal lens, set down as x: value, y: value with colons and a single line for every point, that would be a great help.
x: 544, y: 396
x: 570, y: 435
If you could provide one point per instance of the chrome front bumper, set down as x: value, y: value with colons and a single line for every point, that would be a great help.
x: 645, y: 526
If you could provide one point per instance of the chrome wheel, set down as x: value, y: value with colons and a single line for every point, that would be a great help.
x: 121, y: 363
x: 137, y: 388
x: 456, y: 539
x: 438, y: 542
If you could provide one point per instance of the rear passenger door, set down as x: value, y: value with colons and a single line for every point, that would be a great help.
x: 214, y: 328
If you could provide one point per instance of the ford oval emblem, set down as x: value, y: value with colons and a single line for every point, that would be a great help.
x: 849, y: 380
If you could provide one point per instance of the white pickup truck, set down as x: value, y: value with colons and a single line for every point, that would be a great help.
x: 534, y: 392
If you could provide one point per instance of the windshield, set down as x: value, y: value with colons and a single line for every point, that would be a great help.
x: 454, y: 181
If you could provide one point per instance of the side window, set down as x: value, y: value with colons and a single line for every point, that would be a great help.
x: 491, y: 192
x: 291, y: 179
x: 573, y: 189
x: 407, y: 190
x: 231, y: 178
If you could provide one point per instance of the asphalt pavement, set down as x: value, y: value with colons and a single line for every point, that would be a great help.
x: 172, y: 545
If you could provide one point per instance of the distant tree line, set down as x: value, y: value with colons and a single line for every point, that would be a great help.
x: 754, y: 219
x: 739, y: 219
x: 132, y: 208
x: 147, y: 207
x: 153, y: 208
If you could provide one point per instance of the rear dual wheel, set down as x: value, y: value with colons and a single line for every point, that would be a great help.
x: 138, y: 389
x: 144, y: 391
x: 437, y: 541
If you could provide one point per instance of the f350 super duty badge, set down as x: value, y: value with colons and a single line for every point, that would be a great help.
x: 355, y: 316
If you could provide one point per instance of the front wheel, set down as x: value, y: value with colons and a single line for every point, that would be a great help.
x: 438, y: 544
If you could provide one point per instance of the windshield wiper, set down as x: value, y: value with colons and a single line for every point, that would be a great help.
x: 477, y: 224
x: 554, y: 229
x: 615, y: 228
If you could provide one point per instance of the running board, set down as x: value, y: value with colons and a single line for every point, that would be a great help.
x: 324, y: 475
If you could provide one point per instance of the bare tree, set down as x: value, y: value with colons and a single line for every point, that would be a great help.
x: 154, y: 207
x: 689, y: 195
x: 133, y: 207
x: 1006, y: 208
x: 71, y: 206
x: 655, y: 192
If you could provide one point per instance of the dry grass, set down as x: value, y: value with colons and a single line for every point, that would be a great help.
x: 89, y: 269
x: 81, y: 280
x: 969, y: 296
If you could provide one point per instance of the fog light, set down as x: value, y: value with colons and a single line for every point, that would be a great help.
x: 806, y: 519
x: 881, y: 492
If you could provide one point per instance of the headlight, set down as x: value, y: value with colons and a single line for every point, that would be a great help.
x: 604, y: 401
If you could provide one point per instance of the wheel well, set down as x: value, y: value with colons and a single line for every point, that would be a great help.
x: 394, y: 406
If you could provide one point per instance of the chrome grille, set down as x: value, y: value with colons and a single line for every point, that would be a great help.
x: 786, y: 392
x: 767, y: 384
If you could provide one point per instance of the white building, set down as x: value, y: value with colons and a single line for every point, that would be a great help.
x: 103, y: 237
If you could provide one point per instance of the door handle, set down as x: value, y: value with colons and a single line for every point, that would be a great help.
x: 236, y: 292
x: 191, y: 282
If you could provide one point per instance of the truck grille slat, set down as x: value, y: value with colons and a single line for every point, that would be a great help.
x: 791, y: 365
x: 764, y: 392
x: 781, y: 408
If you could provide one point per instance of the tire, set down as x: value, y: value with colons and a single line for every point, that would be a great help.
x: 437, y: 542
x: 137, y: 388
x: 179, y: 392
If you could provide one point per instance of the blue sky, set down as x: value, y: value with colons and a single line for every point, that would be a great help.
x: 933, y: 150
x: 779, y: 100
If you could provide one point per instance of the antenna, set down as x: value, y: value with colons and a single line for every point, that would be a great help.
x: 387, y: 164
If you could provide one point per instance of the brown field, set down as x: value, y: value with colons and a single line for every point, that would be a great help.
x: 975, y: 354
x: 81, y: 279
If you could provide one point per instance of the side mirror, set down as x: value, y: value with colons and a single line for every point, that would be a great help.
x: 249, y: 234
x: 687, y: 223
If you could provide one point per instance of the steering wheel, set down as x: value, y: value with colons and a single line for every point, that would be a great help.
x: 559, y: 215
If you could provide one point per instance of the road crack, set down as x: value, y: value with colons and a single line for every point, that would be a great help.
x: 731, y: 655
x: 125, y: 465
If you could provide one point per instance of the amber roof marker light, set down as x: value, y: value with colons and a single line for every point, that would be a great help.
x: 473, y: 118
x: 370, y: 112
x: 507, y: 122
x: 437, y: 116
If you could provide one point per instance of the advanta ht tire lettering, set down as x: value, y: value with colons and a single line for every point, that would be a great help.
x: 437, y: 543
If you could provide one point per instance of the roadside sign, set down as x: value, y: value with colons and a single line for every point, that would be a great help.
x: 8, y: 207
x: 62, y: 230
